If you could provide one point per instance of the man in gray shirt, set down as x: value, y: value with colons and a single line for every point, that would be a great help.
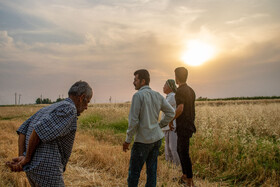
x: 143, y: 123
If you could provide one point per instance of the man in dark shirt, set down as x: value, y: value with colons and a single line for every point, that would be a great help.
x: 185, y: 116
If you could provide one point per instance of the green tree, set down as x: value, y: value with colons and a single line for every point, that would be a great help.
x: 39, y: 101
x: 46, y: 101
x: 43, y: 101
x: 59, y: 99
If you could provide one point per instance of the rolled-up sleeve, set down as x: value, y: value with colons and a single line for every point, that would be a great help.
x: 168, y: 111
x: 56, y: 124
x: 133, y: 119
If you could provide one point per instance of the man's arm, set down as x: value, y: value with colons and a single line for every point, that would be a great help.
x: 133, y: 121
x: 168, y: 113
x: 178, y: 112
x: 21, y: 144
x: 17, y: 163
x: 33, y: 142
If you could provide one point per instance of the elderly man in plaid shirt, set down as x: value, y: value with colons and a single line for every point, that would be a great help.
x: 46, y: 138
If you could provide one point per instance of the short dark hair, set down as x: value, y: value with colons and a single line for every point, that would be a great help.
x: 182, y: 74
x: 143, y: 74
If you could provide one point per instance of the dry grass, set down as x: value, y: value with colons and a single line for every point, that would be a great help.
x: 235, y: 143
x: 240, y: 143
x: 92, y: 163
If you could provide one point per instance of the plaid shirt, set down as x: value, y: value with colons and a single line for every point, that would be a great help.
x: 56, y: 127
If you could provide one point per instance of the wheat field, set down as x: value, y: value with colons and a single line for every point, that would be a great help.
x: 236, y: 144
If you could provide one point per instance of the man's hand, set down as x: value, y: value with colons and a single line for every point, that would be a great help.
x: 125, y: 146
x: 17, y: 163
x: 171, y: 126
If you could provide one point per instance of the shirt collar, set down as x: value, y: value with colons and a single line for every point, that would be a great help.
x: 69, y: 100
x: 145, y: 87
x: 72, y: 102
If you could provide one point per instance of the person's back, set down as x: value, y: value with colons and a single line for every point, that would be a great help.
x: 143, y: 123
x: 185, y: 122
x: 151, y: 103
x: 46, y: 139
x: 52, y: 142
x: 185, y: 116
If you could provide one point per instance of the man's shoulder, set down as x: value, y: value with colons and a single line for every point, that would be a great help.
x: 145, y: 92
x: 190, y: 89
x: 68, y: 105
x: 184, y: 88
x: 180, y: 89
x: 137, y: 94
x: 156, y: 93
x: 64, y: 105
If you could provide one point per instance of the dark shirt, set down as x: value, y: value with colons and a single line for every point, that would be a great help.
x: 185, y: 122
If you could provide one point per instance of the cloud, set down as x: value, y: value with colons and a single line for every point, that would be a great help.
x: 247, y: 18
x: 45, y: 46
x: 5, y: 40
x: 253, y: 71
x: 100, y: 63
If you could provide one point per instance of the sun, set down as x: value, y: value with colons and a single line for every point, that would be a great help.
x: 197, y: 53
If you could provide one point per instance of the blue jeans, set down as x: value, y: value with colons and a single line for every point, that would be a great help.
x: 141, y: 153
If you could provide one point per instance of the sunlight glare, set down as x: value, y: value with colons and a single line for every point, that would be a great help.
x: 197, y: 53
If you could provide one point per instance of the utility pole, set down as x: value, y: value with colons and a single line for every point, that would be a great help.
x: 19, y: 95
x: 16, y: 98
x: 41, y: 99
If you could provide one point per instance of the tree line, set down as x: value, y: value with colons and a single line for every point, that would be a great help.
x: 238, y: 98
x: 47, y: 100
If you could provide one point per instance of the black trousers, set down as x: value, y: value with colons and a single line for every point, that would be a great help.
x: 183, y: 144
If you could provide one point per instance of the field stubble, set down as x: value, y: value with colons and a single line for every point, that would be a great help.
x: 235, y: 144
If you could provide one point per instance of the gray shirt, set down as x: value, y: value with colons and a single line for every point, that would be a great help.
x: 144, y: 114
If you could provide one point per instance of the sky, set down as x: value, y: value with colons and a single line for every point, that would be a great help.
x: 48, y: 45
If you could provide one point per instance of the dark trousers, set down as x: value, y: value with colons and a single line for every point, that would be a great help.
x: 183, y: 144
x: 141, y: 153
